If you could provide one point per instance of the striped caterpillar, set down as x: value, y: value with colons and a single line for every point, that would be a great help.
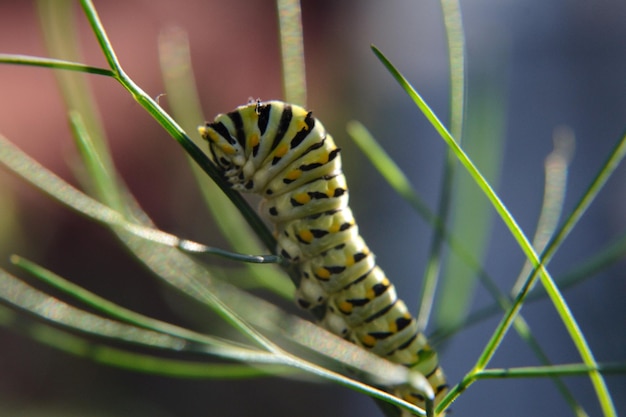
x: 282, y: 153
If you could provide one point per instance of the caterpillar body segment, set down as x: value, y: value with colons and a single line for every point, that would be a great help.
x: 282, y: 153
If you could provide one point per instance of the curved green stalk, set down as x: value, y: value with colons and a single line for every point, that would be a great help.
x: 555, y: 185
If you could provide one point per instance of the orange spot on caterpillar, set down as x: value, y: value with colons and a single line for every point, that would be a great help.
x: 293, y: 175
x: 302, y: 198
x: 322, y: 273
x: 281, y: 150
x: 345, y: 307
x: 228, y: 149
x: 253, y: 140
x: 306, y: 236
x: 212, y: 134
x: 368, y: 341
x: 393, y: 327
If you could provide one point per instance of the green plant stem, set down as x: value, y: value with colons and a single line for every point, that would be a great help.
x: 575, y: 369
x: 173, y: 128
x: 292, y: 51
x: 32, y: 61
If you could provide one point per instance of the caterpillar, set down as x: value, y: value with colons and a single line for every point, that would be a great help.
x: 282, y: 153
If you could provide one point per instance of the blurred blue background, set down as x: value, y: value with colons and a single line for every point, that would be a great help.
x: 551, y: 64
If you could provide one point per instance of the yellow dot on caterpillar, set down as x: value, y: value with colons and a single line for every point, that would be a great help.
x: 253, y: 140
x: 213, y: 137
x: 293, y: 175
x: 227, y: 149
x: 322, y: 273
x: 345, y: 307
x: 349, y: 261
x: 281, y: 150
x: 302, y: 198
x: 323, y: 158
x: 368, y: 341
x: 393, y: 327
x: 385, y: 282
x: 306, y: 236
x: 334, y: 228
x: 302, y: 125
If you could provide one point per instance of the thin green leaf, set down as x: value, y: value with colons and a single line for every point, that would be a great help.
x: 58, y: 23
x: 607, y: 256
x: 575, y: 369
x: 471, y: 215
x: 556, y: 167
x: 113, y: 310
x: 23, y: 296
x: 456, y: 55
x: 28, y: 298
x: 607, y: 169
x: 556, y: 297
x: 54, y: 186
x: 35, y: 61
x: 453, y: 23
x: 394, y: 176
x: 106, y: 355
x: 292, y: 51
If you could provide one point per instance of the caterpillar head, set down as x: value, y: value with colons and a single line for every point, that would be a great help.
x: 225, y: 151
